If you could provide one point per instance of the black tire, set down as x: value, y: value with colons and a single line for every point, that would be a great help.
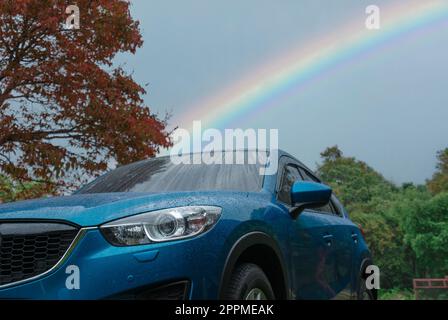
x: 246, y: 278
x: 363, y: 292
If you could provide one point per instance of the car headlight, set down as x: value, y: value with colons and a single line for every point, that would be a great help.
x: 162, y: 225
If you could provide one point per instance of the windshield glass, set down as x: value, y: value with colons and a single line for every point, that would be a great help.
x: 162, y: 175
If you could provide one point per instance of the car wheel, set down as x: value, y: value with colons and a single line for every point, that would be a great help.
x: 363, y: 292
x: 248, y: 282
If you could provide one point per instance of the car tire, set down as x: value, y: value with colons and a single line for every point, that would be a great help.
x: 363, y: 292
x: 249, y: 282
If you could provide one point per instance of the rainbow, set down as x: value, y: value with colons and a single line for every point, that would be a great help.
x: 262, y: 87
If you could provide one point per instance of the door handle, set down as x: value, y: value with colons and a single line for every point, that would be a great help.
x: 328, y: 238
x: 355, y: 237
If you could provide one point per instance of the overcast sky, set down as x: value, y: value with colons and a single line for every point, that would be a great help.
x: 388, y: 108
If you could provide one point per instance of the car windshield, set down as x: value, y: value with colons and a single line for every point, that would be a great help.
x: 163, y: 175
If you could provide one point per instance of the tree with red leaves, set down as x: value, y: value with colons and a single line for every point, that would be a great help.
x: 66, y: 110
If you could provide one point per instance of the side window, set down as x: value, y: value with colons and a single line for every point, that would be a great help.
x: 307, y: 176
x: 290, y: 175
x: 329, y: 209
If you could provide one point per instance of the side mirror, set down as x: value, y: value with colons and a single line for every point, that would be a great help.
x: 306, y: 194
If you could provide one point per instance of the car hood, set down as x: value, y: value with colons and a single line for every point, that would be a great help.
x: 95, y: 209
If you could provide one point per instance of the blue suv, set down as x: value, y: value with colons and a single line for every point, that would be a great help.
x: 162, y: 230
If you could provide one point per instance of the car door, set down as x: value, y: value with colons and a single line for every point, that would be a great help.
x: 340, y: 229
x: 312, y: 256
x: 350, y: 233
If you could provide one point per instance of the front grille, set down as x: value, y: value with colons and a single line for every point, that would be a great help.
x: 30, y: 249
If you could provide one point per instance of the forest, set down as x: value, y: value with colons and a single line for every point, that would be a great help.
x: 406, y: 226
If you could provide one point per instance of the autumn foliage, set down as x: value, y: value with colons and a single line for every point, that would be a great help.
x: 66, y: 110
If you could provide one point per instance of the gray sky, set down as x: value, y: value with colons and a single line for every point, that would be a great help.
x: 388, y: 107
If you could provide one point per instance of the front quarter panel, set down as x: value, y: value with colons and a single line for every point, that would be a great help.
x: 243, y: 214
x: 107, y: 271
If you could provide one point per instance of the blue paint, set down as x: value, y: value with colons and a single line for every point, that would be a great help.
x: 146, y: 256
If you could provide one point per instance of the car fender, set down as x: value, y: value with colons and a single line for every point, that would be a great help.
x: 245, y: 242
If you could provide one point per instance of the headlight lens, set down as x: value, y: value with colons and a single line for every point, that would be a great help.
x: 161, y: 225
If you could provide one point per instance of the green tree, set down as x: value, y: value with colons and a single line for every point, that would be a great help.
x: 375, y: 204
x: 398, y: 259
x: 352, y: 180
x: 439, y: 181
x: 15, y: 190
x: 426, y: 231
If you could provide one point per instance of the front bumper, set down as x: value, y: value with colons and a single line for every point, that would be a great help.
x: 106, y: 271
